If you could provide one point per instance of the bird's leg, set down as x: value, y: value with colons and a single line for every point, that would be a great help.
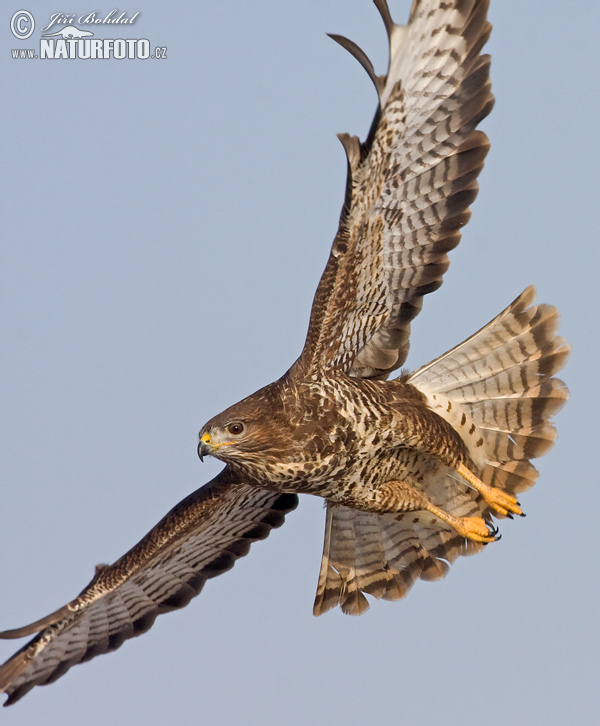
x: 427, y: 432
x: 397, y: 496
x: 496, y: 499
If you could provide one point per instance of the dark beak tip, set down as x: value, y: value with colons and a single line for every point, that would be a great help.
x: 203, y: 450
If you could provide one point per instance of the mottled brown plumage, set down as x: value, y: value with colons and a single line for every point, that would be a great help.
x: 411, y: 469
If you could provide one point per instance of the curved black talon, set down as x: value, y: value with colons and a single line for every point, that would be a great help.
x: 509, y: 515
x: 522, y: 514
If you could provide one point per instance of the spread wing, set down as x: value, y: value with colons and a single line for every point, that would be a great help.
x: 409, y: 187
x: 198, y: 539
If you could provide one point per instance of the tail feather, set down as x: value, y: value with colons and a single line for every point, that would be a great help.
x: 511, y: 381
x: 498, y: 391
x: 501, y: 378
x: 358, y: 557
x: 390, y: 553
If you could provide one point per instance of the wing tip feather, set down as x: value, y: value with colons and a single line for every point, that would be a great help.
x: 357, y: 52
x: 386, y: 16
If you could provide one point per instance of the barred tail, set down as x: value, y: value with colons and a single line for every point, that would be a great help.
x: 501, y: 379
x: 498, y: 391
x: 381, y: 555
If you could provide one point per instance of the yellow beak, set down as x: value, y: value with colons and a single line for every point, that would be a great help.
x: 204, y: 447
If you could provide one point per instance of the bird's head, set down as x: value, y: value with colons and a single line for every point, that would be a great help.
x: 249, y: 431
x: 216, y: 436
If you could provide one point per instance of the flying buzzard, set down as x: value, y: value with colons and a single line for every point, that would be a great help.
x: 411, y: 469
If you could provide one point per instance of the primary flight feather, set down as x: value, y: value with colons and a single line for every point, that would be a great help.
x: 411, y: 469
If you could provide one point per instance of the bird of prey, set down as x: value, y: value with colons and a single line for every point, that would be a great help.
x: 413, y: 468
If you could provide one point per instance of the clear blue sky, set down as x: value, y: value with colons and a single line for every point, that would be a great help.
x: 165, y: 223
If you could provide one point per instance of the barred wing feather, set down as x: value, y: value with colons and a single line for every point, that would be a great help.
x: 409, y: 188
x: 200, y: 538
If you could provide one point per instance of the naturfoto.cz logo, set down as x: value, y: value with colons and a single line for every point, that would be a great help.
x: 73, y: 42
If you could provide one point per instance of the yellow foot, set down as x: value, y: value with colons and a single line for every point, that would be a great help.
x: 498, y: 500
x: 501, y: 502
x: 476, y: 529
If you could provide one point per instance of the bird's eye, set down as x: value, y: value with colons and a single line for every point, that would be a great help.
x: 235, y: 428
